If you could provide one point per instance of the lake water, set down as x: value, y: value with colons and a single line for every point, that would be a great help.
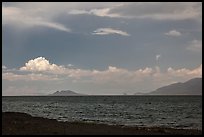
x: 148, y: 111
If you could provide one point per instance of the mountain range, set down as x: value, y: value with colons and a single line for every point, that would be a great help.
x: 190, y: 87
x: 65, y: 93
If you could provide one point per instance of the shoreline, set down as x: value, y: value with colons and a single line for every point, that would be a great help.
x: 103, y: 95
x: 15, y: 123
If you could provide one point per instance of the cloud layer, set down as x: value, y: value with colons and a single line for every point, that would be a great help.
x: 40, y: 69
x: 161, y: 11
x: 107, y: 31
x: 28, y: 77
x: 105, y: 12
x: 140, y: 10
x: 195, y: 45
x: 29, y: 15
x: 24, y: 18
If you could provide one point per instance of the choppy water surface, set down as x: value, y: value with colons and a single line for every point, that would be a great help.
x: 162, y: 111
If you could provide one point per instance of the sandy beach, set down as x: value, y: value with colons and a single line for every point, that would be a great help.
x: 14, y: 123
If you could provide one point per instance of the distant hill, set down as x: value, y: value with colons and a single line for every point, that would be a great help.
x: 65, y: 93
x: 190, y: 87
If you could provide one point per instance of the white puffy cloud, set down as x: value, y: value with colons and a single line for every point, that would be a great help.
x: 197, y: 72
x: 157, y: 57
x: 146, y: 71
x: 40, y: 64
x: 195, y: 45
x: 4, y: 67
x: 70, y: 65
x: 174, y: 33
x: 112, y: 74
x: 106, y: 31
x: 76, y: 73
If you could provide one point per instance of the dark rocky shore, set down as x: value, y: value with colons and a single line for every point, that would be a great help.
x: 14, y: 123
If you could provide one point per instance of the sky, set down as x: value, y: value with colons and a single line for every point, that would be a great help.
x: 101, y: 48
